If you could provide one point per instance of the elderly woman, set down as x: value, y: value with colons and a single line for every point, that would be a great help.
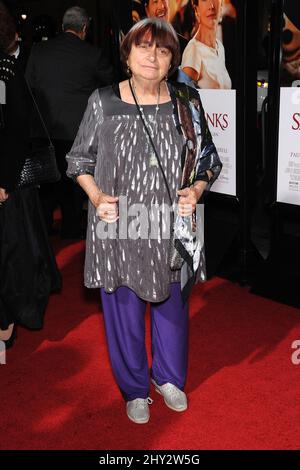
x: 139, y: 143
x: 203, y: 59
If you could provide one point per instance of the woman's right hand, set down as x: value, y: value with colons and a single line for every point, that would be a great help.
x: 3, y: 195
x: 107, y: 208
x: 106, y: 205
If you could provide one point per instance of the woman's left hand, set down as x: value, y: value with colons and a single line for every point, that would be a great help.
x: 187, y: 201
x: 188, y: 198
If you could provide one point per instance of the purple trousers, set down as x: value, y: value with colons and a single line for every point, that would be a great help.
x: 124, y: 317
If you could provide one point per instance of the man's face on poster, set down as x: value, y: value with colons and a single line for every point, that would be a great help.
x: 158, y: 8
x: 208, y: 12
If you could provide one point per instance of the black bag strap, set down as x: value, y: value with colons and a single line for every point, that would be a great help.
x: 152, y: 144
x: 39, y: 113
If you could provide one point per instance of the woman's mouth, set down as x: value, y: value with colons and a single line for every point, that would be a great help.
x: 161, y: 14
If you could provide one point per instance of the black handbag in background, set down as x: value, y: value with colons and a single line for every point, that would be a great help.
x: 40, y: 166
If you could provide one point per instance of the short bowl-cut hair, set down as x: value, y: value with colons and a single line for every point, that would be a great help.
x: 160, y: 32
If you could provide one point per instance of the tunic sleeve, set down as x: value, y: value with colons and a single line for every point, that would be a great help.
x: 82, y: 157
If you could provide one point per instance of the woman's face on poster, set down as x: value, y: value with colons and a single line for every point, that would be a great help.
x: 208, y: 12
x: 158, y: 8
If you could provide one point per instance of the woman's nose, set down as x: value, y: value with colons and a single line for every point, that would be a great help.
x: 152, y: 53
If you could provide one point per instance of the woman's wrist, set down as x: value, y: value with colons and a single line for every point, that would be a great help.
x: 199, y: 187
x: 201, y: 183
x: 95, y: 198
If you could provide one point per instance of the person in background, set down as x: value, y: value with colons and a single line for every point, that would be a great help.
x: 157, y: 8
x: 62, y: 73
x: 19, y: 52
x: 290, y: 66
x: 28, y: 271
x: 160, y: 9
x: 228, y: 37
x: 183, y: 18
x: 138, y: 11
x: 203, y: 60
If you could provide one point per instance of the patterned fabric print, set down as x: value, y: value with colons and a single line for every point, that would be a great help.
x: 201, y: 155
x: 116, y: 144
x: 7, y: 69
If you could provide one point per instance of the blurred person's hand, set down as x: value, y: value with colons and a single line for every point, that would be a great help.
x: 228, y: 9
x: 3, y: 195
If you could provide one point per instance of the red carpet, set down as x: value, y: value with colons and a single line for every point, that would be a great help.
x: 57, y: 390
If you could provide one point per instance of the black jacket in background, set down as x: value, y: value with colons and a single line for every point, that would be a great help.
x: 15, y: 137
x: 23, y: 57
x: 62, y: 73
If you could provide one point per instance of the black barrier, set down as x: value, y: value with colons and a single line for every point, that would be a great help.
x: 278, y: 277
x: 234, y: 256
x: 115, y: 19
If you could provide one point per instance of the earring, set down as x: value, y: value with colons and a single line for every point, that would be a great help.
x: 128, y: 70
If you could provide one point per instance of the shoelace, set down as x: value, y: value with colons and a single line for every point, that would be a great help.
x: 170, y: 388
x: 142, y: 402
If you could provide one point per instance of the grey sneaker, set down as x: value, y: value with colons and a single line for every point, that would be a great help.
x: 174, y: 397
x: 138, y: 410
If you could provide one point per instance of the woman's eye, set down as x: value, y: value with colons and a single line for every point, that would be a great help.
x: 163, y: 51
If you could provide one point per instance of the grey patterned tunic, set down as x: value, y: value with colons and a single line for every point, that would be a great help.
x: 112, y: 145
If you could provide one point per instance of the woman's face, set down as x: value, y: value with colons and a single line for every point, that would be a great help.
x: 149, y: 61
x: 158, y: 8
x: 208, y: 12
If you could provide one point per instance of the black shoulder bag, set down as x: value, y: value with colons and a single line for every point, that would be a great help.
x: 40, y: 166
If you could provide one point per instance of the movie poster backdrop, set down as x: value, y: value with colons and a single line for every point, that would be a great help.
x: 206, y: 31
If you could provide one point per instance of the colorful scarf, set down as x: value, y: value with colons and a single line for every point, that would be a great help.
x: 199, y: 155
